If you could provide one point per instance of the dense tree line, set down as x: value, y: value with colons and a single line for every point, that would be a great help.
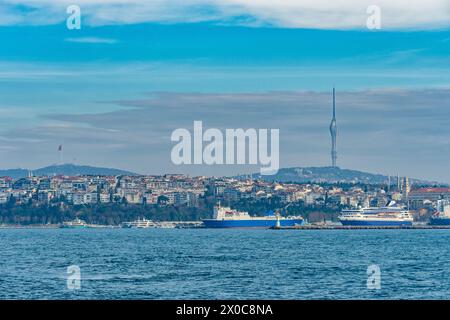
x: 116, y: 213
x: 106, y: 214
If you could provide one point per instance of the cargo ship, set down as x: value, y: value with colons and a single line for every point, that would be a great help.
x: 225, y: 217
x: 377, y: 216
x: 441, y: 216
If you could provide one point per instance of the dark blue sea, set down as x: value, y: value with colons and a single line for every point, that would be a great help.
x: 224, y: 264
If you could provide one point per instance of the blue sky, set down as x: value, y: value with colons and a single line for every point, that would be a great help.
x: 113, y: 91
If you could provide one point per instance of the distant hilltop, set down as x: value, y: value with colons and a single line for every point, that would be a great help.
x: 331, y: 175
x: 296, y: 175
x: 64, y: 169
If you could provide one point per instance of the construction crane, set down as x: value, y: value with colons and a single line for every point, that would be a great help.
x: 278, y: 213
x: 284, y: 208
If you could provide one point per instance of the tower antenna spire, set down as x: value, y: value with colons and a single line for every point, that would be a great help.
x: 334, y: 103
x: 333, y: 132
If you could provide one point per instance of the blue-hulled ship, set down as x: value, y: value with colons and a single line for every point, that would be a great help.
x: 442, y: 215
x: 225, y: 217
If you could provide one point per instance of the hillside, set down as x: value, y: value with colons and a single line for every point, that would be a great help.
x: 64, y: 169
x: 330, y: 175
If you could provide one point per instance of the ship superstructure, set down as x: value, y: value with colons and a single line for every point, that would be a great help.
x: 441, y: 216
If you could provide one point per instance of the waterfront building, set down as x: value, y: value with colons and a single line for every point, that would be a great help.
x: 418, y: 197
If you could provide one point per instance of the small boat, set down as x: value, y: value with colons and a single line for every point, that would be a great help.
x: 77, y: 223
x: 140, y: 223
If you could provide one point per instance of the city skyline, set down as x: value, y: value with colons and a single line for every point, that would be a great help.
x: 230, y: 157
x: 112, y: 92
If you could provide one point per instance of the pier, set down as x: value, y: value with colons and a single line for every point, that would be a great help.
x: 339, y: 227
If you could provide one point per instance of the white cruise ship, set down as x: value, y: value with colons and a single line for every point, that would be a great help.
x: 377, y: 216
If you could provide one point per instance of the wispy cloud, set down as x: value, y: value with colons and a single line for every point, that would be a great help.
x: 407, y: 130
x: 321, y: 14
x: 92, y: 40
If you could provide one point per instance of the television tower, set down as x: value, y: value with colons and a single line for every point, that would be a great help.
x: 333, y: 132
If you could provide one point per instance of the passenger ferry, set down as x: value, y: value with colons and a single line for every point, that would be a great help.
x: 225, y: 217
x: 77, y: 223
x: 441, y: 216
x: 377, y: 216
x: 140, y: 223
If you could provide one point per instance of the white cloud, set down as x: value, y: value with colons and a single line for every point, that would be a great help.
x: 320, y: 14
x: 92, y: 40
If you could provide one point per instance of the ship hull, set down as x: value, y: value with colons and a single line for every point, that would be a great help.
x: 73, y: 227
x: 378, y: 223
x: 440, y: 221
x: 253, y: 223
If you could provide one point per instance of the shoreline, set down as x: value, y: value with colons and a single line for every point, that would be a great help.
x: 182, y: 225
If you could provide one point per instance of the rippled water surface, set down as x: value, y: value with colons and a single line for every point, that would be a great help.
x: 224, y: 264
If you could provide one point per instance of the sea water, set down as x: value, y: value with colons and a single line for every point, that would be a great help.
x: 224, y: 264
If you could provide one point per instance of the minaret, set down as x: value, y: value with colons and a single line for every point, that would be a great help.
x: 333, y: 132
x: 407, y: 187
